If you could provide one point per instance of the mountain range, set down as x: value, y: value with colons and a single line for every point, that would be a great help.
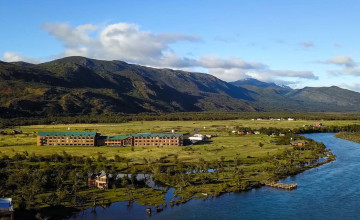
x: 79, y: 85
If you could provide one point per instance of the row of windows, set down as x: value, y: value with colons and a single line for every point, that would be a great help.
x: 164, y: 144
x: 53, y: 141
x: 115, y: 142
x: 147, y: 141
x: 63, y: 137
x: 69, y: 141
x: 156, y: 138
x: 144, y: 141
x: 62, y: 144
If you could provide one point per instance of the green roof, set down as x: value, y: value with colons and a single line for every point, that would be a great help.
x: 122, y: 137
x: 66, y: 134
x: 156, y: 135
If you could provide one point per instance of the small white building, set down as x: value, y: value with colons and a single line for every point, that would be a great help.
x: 197, y: 138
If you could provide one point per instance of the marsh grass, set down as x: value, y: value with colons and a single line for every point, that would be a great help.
x: 241, y: 163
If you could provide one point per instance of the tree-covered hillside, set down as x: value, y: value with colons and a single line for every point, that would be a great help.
x: 82, y: 86
x: 77, y: 85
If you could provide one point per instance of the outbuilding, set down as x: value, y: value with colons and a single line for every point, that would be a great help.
x: 297, y: 143
x: 99, y: 180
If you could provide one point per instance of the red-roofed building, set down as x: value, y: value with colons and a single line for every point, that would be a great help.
x: 318, y: 124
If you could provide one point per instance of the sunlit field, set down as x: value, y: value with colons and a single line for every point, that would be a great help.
x: 226, y: 143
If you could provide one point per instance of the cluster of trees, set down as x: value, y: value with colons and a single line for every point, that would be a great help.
x: 220, y: 175
x: 179, y: 116
x: 11, y: 122
x: 303, y: 130
x: 58, y: 178
x: 233, y: 174
x: 290, y: 162
x: 312, y: 129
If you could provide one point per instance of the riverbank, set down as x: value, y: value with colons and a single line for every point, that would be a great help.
x: 154, y: 199
x: 350, y: 136
x: 260, y: 202
x: 326, y: 192
x: 227, y: 163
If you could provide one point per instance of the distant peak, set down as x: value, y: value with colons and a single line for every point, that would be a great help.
x: 254, y: 82
x: 22, y: 63
x: 284, y: 86
x: 74, y: 59
x: 87, y: 62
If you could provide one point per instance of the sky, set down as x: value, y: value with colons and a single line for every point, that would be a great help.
x: 296, y: 43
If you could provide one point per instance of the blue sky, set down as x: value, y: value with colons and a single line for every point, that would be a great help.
x: 297, y: 43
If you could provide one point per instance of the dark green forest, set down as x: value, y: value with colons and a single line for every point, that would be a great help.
x: 181, y: 116
x: 76, y: 86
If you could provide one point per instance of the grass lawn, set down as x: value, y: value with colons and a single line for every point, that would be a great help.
x: 225, y: 145
x: 178, y: 126
x: 240, y: 161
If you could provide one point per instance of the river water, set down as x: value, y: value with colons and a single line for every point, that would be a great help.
x: 331, y: 191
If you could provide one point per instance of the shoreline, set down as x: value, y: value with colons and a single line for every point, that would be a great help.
x: 75, y: 210
x: 331, y: 158
x: 349, y: 136
x: 239, y: 163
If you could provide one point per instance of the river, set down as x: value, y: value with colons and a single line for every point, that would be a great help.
x: 331, y: 191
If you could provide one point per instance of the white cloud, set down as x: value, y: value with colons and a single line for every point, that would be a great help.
x: 353, y: 86
x: 15, y: 57
x: 229, y: 75
x: 232, y: 62
x: 127, y: 42
x: 71, y: 37
x: 342, y: 60
x: 281, y: 75
x: 233, y: 69
x: 291, y: 73
x: 354, y: 71
x: 121, y: 41
x: 350, y: 67
x: 263, y: 74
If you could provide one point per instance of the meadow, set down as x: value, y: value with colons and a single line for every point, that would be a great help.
x: 239, y: 162
x: 229, y: 144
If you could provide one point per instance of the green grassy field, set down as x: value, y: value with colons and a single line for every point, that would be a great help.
x: 180, y: 126
x: 241, y: 163
x: 225, y: 145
